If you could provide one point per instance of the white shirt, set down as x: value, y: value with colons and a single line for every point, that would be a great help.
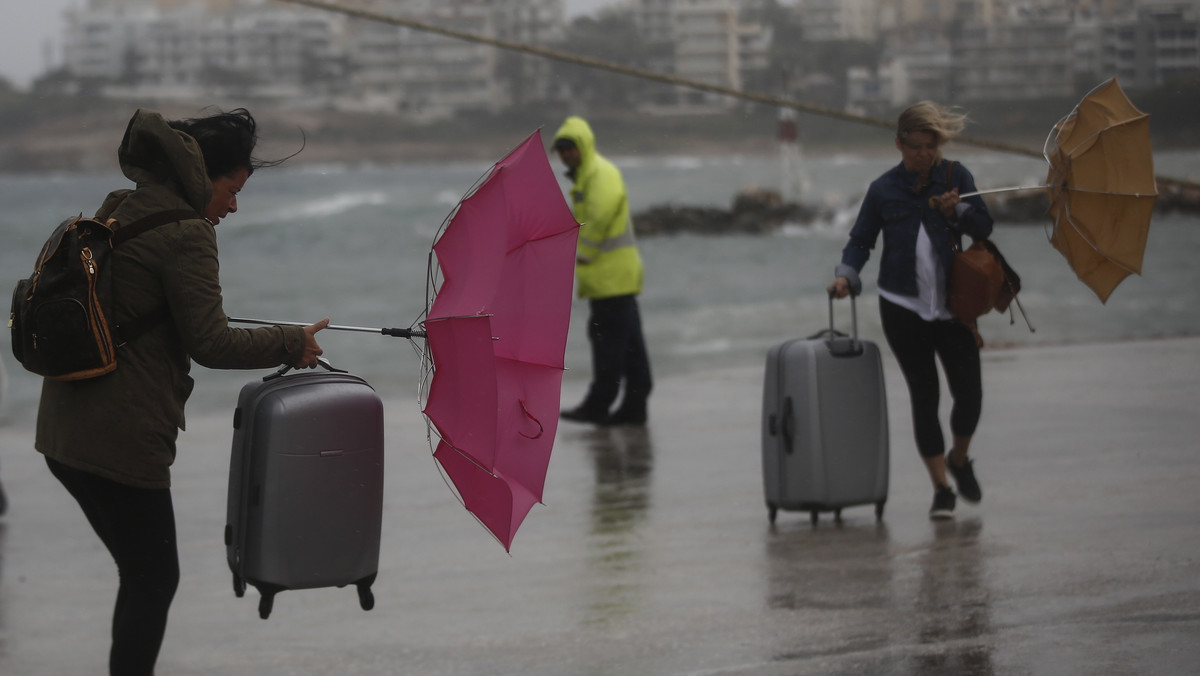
x: 930, y: 301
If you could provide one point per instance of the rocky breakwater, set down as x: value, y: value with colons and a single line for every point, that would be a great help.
x: 752, y: 213
x: 760, y: 212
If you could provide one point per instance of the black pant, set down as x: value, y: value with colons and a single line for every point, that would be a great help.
x: 618, y: 353
x: 915, y: 342
x: 137, y: 525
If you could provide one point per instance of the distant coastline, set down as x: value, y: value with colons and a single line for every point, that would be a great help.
x: 80, y: 134
x: 74, y: 137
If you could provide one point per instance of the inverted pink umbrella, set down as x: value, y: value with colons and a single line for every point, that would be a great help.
x: 496, y: 336
x: 495, y: 329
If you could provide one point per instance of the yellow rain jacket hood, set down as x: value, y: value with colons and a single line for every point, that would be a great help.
x: 608, y: 263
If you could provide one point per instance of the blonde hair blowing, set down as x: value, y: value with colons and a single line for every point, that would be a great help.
x: 928, y: 116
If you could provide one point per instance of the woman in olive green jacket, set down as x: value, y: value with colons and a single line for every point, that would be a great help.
x: 111, y: 440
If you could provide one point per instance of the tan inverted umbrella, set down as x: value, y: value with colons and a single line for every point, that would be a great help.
x: 1102, y: 187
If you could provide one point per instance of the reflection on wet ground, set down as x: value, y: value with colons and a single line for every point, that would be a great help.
x: 921, y: 609
x: 4, y: 620
x: 839, y: 567
x: 623, y: 458
x: 953, y: 603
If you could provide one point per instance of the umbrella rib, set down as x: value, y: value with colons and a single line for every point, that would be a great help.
x: 531, y: 363
x: 539, y: 239
x: 1088, y: 241
x: 465, y: 455
x: 481, y: 314
x: 432, y: 428
x: 1097, y: 133
x: 1107, y: 192
x: 462, y: 501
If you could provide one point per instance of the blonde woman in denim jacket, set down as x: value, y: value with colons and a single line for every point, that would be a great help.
x: 917, y: 208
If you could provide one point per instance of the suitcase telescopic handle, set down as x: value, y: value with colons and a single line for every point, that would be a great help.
x: 841, y: 348
x: 853, y: 317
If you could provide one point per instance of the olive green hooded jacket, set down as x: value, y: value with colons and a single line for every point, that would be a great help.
x: 607, y: 261
x: 122, y: 426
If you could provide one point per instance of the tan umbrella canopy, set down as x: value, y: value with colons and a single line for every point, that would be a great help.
x: 1102, y: 187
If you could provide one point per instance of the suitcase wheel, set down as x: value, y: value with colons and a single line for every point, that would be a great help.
x: 365, y: 598
x: 772, y: 511
x: 837, y: 515
x: 239, y: 586
x: 265, y: 604
x: 879, y: 510
x: 814, y: 516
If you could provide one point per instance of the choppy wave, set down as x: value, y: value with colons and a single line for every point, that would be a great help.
x: 836, y: 226
x: 326, y: 207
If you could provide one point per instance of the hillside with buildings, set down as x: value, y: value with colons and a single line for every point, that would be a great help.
x: 359, y: 90
x: 865, y: 56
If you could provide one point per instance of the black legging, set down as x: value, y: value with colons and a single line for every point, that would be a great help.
x: 915, y: 341
x: 138, y: 527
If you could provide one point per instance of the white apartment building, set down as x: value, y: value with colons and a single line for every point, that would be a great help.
x: 535, y: 22
x: 1158, y: 41
x: 1016, y: 59
x: 141, y: 50
x: 839, y: 19
x: 183, y: 49
x: 1026, y: 49
x: 99, y: 42
x: 427, y: 76
x: 420, y: 74
x: 707, y: 43
x: 952, y: 50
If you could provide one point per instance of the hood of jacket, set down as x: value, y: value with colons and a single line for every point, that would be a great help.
x: 577, y: 130
x: 154, y: 154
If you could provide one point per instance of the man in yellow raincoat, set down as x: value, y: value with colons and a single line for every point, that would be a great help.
x: 609, y: 271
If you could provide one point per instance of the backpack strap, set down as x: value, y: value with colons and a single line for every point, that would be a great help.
x: 129, y: 330
x: 955, y: 235
x: 148, y: 222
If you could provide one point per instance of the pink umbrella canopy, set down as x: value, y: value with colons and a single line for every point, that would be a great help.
x: 497, y: 333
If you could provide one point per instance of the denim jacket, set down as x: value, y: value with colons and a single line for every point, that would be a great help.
x: 895, y: 208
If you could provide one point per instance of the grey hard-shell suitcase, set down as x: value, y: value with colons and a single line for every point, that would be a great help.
x: 824, y: 426
x: 305, y: 485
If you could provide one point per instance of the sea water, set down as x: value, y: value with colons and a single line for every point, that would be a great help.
x: 352, y: 243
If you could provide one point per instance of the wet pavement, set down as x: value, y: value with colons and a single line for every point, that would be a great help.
x: 653, y: 554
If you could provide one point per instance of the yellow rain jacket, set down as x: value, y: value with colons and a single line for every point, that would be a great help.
x: 608, y: 263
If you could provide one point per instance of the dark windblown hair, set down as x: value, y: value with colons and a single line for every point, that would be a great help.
x: 226, y: 140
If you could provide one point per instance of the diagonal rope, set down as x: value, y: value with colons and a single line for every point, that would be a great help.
x: 645, y: 74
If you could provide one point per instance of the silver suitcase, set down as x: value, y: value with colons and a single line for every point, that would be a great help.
x: 824, y: 424
x: 305, y: 503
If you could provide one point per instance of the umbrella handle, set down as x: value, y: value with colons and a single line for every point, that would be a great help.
x: 402, y: 333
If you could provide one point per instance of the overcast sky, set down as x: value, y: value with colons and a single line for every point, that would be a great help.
x: 32, y: 27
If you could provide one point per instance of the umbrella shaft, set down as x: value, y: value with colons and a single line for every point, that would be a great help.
x: 1064, y: 187
x: 994, y: 190
x: 398, y: 333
